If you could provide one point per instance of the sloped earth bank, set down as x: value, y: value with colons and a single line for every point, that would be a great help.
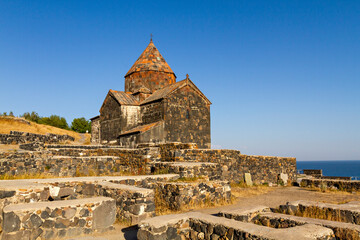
x: 279, y: 196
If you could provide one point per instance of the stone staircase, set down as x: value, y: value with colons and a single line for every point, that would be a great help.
x: 212, y: 171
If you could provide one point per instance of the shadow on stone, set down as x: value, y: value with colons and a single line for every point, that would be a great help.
x: 130, y: 232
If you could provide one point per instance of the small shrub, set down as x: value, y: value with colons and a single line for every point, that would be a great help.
x: 81, y: 125
x: 161, y: 171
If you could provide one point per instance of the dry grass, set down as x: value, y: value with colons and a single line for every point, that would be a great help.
x: 91, y: 173
x: 27, y: 176
x: 12, y: 124
x: 87, y: 139
x: 241, y: 190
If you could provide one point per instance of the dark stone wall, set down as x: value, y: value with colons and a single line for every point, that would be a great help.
x: 177, y: 196
x: 187, y: 118
x: 16, y: 137
x: 75, y: 162
x: 129, y: 141
x: 154, y: 135
x: 313, y: 172
x: 60, y: 221
x: 151, y: 80
x: 116, y: 118
x: 95, y: 131
x: 343, y: 185
x: 152, y: 112
x: 110, y: 120
x: 230, y: 165
x: 263, y: 169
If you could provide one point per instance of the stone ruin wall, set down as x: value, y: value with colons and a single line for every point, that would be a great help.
x: 57, y: 206
x: 16, y: 137
x: 230, y: 165
x: 74, y: 161
x: 135, y: 202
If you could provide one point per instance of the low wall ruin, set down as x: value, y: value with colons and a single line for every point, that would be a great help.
x: 183, y: 159
x: 16, y: 137
x: 332, y: 184
x: 57, y: 219
x: 194, y: 226
x: 263, y: 169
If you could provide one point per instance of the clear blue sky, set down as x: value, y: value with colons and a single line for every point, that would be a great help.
x: 283, y: 76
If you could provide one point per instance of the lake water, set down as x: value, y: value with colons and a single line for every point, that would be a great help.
x: 340, y: 168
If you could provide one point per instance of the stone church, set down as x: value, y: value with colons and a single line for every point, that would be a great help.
x: 154, y: 108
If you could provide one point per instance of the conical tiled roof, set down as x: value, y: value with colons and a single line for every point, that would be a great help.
x: 150, y: 60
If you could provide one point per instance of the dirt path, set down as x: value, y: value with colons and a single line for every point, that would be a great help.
x: 82, y: 139
x: 274, y: 198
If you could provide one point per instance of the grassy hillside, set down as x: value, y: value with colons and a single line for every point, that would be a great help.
x: 8, y: 124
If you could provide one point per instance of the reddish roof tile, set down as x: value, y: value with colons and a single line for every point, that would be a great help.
x: 150, y: 60
x: 93, y: 118
x: 162, y: 93
x: 142, y: 128
x: 124, y: 98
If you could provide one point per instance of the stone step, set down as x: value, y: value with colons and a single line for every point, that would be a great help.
x: 58, y: 146
x: 244, y: 214
x: 196, y: 225
x: 188, y: 169
x: 134, y: 204
x: 33, y: 190
x: 29, y: 184
x: 85, y: 157
x: 89, y: 238
x: 49, y: 220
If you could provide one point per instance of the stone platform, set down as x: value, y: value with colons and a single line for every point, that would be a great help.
x: 299, y: 220
x: 196, y: 225
x: 341, y: 218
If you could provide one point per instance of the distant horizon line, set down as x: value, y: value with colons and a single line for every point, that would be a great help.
x: 325, y: 160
